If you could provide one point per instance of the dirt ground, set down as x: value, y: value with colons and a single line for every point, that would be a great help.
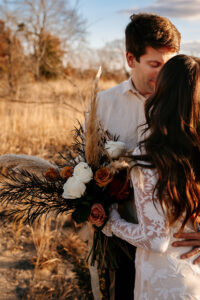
x: 35, y: 267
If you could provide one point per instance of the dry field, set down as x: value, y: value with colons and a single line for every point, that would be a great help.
x: 48, y: 260
x: 40, y: 119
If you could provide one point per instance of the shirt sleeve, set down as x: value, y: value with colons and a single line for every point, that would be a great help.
x: 152, y: 232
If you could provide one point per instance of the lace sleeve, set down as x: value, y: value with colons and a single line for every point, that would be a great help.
x: 152, y: 232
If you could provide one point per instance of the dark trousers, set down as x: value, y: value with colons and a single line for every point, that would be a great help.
x: 121, y: 281
x: 125, y: 275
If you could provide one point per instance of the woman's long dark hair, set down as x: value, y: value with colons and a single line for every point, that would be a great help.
x: 172, y: 145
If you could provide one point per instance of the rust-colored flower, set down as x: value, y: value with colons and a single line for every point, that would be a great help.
x: 97, y: 215
x: 120, y: 187
x: 66, y: 172
x: 51, y: 174
x: 125, y: 191
x: 103, y: 177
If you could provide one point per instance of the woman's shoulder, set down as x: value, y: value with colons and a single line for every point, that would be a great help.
x: 142, y: 169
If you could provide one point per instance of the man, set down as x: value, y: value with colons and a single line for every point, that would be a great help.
x: 150, y: 41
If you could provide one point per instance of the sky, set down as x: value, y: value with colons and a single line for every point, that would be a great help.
x: 107, y: 19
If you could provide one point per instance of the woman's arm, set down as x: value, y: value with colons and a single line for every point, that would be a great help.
x: 152, y: 232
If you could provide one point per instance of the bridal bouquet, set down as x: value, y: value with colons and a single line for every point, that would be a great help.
x: 95, y: 175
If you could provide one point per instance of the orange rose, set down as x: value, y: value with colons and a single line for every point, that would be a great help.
x: 103, y: 177
x: 51, y: 174
x: 97, y: 215
x: 66, y: 172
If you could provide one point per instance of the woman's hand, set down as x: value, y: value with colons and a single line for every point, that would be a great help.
x: 113, y: 215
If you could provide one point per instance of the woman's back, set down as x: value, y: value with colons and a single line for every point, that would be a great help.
x: 160, y: 273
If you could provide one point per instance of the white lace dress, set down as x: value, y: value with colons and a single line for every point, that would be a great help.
x: 160, y: 273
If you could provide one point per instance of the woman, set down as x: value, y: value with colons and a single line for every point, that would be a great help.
x: 166, y: 183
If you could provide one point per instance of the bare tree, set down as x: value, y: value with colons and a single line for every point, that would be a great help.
x: 112, y: 57
x: 39, y: 18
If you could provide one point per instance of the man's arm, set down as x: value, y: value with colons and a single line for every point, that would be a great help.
x: 190, y: 239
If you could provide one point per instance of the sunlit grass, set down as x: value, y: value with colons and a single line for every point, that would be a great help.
x: 39, y: 121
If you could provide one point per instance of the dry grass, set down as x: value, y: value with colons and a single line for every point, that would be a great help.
x: 38, y: 121
x: 41, y: 120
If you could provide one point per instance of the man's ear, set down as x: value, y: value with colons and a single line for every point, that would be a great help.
x: 130, y: 59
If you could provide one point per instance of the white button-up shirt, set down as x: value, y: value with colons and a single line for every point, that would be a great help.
x: 121, y: 111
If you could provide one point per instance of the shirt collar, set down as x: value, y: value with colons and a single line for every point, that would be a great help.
x: 129, y: 87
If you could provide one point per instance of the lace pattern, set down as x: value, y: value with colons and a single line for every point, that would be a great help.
x: 152, y: 232
x: 160, y: 273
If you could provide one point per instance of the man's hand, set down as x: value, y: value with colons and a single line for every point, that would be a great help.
x: 191, y: 239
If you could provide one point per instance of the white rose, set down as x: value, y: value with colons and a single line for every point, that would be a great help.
x: 73, y: 188
x: 115, y: 148
x: 83, y: 172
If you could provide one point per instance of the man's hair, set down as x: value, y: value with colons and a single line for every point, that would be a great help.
x: 150, y: 30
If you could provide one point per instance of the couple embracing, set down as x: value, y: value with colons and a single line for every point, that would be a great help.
x: 157, y: 112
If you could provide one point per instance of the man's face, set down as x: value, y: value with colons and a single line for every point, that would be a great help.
x: 144, y: 72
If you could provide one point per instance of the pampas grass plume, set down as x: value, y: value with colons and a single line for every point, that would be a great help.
x: 93, y: 147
